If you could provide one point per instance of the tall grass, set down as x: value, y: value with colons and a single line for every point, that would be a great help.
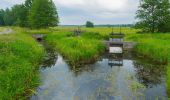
x: 77, y: 49
x: 19, y: 59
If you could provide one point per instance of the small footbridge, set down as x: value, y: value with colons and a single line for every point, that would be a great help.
x: 116, y: 41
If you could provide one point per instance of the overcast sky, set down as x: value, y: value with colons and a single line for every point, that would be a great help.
x: 97, y: 11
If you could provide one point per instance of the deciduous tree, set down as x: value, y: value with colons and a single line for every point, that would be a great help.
x: 89, y: 24
x: 154, y: 15
x: 43, y: 14
x: 2, y: 12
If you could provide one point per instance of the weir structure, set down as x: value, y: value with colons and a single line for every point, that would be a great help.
x: 116, y: 44
x: 116, y: 41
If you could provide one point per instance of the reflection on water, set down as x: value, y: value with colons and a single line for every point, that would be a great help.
x: 115, y: 60
x: 49, y: 59
x: 114, y: 77
x: 148, y: 74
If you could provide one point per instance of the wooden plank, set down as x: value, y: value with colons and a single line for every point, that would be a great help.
x: 117, y: 35
x: 116, y: 50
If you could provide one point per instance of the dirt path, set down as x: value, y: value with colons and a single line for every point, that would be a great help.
x: 6, y: 31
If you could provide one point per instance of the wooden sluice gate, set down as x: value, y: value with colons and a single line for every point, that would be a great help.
x: 115, y: 47
x: 116, y: 41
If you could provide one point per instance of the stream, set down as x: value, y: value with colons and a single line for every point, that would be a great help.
x: 110, y: 78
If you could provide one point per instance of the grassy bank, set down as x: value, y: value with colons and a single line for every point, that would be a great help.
x: 77, y: 49
x: 20, y: 55
x: 154, y: 46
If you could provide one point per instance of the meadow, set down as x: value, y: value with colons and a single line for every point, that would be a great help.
x: 20, y: 56
x: 103, y: 31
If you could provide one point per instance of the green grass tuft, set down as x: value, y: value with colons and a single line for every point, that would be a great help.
x: 77, y: 49
x: 20, y: 55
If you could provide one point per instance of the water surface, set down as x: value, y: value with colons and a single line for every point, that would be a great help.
x: 110, y: 78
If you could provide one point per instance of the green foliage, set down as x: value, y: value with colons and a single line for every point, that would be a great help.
x: 17, y: 15
x: 8, y: 17
x: 89, y: 24
x: 76, y: 49
x: 43, y: 14
x: 154, y: 15
x: 20, y: 55
x: 20, y: 15
x: 2, y: 12
x: 28, y: 4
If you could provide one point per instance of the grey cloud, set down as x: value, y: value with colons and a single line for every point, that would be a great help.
x: 98, y: 11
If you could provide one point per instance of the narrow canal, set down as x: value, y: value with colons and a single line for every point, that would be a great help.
x: 126, y: 78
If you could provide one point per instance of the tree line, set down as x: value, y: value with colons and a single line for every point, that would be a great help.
x: 33, y: 14
x: 154, y: 16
